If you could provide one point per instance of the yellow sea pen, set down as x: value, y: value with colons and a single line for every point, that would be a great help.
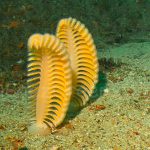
x: 49, y: 82
x: 83, y: 57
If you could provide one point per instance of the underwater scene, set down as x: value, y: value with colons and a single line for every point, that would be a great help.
x: 75, y: 75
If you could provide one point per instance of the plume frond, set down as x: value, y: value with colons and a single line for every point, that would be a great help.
x: 49, y: 80
x: 83, y: 57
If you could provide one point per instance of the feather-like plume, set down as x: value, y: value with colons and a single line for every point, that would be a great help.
x: 83, y: 57
x: 49, y: 82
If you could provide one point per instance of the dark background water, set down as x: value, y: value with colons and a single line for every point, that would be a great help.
x: 109, y: 21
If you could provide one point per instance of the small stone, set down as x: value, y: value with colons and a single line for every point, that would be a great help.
x: 106, y: 91
x: 54, y: 147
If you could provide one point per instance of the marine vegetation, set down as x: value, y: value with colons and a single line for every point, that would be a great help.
x: 61, y: 69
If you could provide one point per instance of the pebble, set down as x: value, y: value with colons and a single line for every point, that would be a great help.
x: 106, y: 91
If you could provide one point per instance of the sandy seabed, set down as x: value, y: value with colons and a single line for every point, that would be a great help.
x: 117, y: 119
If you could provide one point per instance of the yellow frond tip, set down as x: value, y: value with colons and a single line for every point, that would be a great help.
x: 34, y: 41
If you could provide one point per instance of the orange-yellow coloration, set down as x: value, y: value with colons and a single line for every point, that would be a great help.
x: 49, y: 82
x: 82, y: 52
x: 60, y: 69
